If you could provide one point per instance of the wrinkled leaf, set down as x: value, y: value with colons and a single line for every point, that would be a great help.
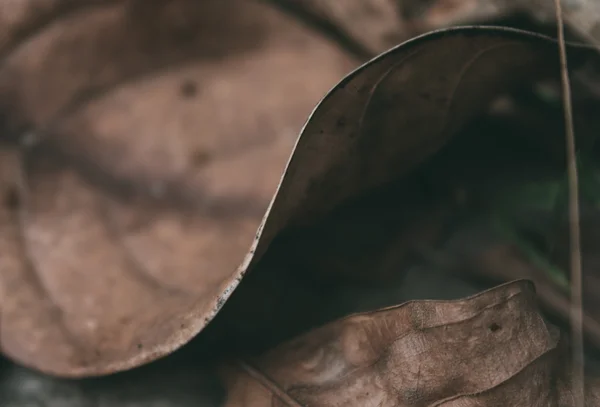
x: 141, y: 142
x: 353, y: 201
x: 388, y: 117
x: 491, y: 349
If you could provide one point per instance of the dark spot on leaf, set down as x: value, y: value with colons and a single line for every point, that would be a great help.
x: 412, y: 395
x: 341, y: 122
x: 11, y: 199
x: 189, y: 89
x: 220, y: 302
x: 495, y: 327
x: 200, y: 157
x: 140, y: 346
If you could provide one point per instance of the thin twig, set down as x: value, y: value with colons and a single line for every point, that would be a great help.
x: 574, y: 219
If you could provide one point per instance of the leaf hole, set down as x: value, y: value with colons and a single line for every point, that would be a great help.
x: 495, y: 327
x: 188, y: 89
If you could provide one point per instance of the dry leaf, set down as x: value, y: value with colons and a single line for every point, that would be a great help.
x: 141, y: 144
x: 351, y: 202
x: 388, y: 117
x: 491, y: 349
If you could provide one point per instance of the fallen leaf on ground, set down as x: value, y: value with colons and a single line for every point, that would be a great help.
x: 141, y: 142
x: 383, y: 121
x: 350, y: 204
x: 491, y: 349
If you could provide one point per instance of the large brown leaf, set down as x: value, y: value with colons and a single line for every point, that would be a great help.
x: 141, y: 142
x: 389, y: 116
x: 493, y: 349
x: 353, y: 201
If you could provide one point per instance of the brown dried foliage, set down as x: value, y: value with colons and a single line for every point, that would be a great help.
x: 141, y: 144
x: 493, y: 349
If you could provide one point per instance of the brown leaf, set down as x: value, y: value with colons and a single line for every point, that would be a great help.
x: 343, y: 208
x: 491, y: 349
x: 141, y: 144
x: 354, y: 201
x: 378, y: 125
